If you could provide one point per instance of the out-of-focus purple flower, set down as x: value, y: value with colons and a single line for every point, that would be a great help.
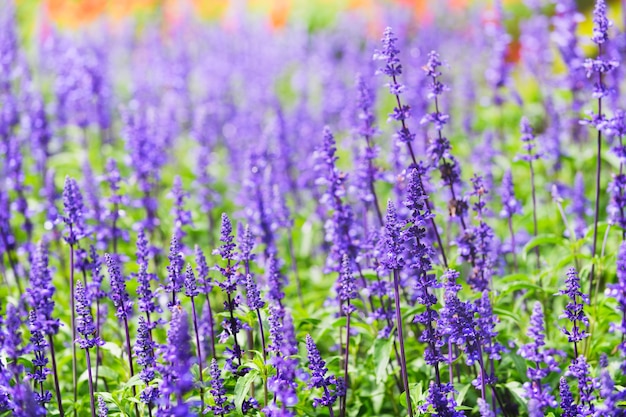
x: 222, y: 405
x: 253, y: 295
x: 12, y: 346
x: 275, y: 280
x: 601, y: 23
x: 579, y: 369
x: 73, y: 204
x: 119, y: 294
x: 579, y: 207
x: 24, y: 402
x: 391, y: 246
x: 339, y: 226
x: 612, y: 397
x: 457, y: 318
x: 181, y: 216
x: 175, y: 279
x: 40, y: 292
x: 144, y: 350
x: 535, y: 352
x: 510, y: 204
x: 486, y: 322
x: 574, y: 311
x: 202, y: 269
x: 435, y: 89
x: 484, y: 409
x: 245, y: 242
x: 318, y: 376
x: 528, y: 141
x: 283, y: 384
x: 498, y: 68
x: 569, y: 407
x: 346, y: 286
x: 102, y: 410
x: 176, y: 368
x: 145, y: 295
x: 85, y: 325
x: 618, y: 291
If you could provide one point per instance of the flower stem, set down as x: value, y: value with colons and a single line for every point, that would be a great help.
x: 199, y: 352
x: 92, y: 399
x: 405, y: 379
x: 73, y: 324
x: 55, y: 374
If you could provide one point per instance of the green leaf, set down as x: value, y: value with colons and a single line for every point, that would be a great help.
x: 135, y: 380
x: 462, y: 393
x: 243, y: 386
x: 382, y: 352
x: 544, y: 240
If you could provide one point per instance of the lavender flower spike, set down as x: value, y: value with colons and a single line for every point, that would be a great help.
x: 319, y: 379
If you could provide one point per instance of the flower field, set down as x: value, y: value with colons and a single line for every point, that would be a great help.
x: 388, y: 217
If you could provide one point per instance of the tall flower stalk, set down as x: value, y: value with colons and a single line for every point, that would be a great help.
x: 393, y: 69
x: 191, y: 291
x: 392, y: 260
x: 207, y: 285
x: 598, y: 66
x: 528, y: 138
x: 73, y: 219
x: 347, y: 292
x: 39, y: 296
x: 124, y: 307
x: 88, y: 338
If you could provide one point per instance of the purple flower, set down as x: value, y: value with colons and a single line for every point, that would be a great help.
x: 102, y: 410
x: 484, y: 409
x: 12, y: 346
x: 85, y: 325
x: 145, y: 295
x: 618, y: 291
x: 144, y: 350
x: 41, y: 291
x: 74, y: 209
x: 339, y: 226
x: 275, y: 280
x: 252, y: 292
x: 222, y: 405
x: 346, y: 287
x: 175, y: 270
x: 40, y: 369
x: 569, y: 407
x: 203, y: 270
x: 601, y: 23
x: 191, y: 288
x: 318, y: 376
x: 246, y: 245
x: 391, y: 245
x: 389, y: 55
x: 182, y: 217
x: 528, y: 141
x: 119, y: 295
x: 536, y: 353
x: 176, y: 368
x: 510, y: 204
x: 579, y: 369
x: 226, y: 251
x: 440, y: 401
x: 574, y: 311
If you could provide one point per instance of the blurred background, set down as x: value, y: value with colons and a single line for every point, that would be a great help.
x: 72, y: 14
